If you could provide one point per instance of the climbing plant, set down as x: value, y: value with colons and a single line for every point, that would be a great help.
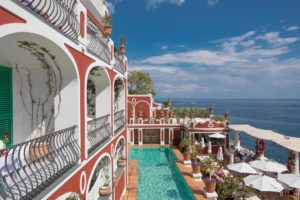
x: 40, y: 108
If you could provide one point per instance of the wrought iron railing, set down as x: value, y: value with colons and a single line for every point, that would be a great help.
x: 120, y: 65
x: 98, y: 131
x: 119, y: 120
x: 97, y: 42
x: 59, y: 13
x: 28, y: 168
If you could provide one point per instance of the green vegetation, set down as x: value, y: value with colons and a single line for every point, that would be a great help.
x: 218, y: 118
x: 140, y: 83
x: 192, y: 112
x: 184, y: 145
x: 232, y: 188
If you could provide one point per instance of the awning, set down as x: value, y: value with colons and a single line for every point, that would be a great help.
x: 292, y: 143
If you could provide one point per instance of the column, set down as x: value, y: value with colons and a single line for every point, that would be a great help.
x: 162, y: 135
x: 171, y: 135
x: 140, y: 136
x: 296, y: 171
x: 237, y: 142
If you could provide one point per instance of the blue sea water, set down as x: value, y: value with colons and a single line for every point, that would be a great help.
x: 282, y: 116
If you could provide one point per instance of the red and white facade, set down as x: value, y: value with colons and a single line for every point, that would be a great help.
x: 63, y: 127
x: 150, y: 123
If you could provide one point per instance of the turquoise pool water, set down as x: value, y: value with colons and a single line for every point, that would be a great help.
x: 159, y: 177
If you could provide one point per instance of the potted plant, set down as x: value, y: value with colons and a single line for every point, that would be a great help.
x: 184, y: 147
x: 209, y: 167
x: 232, y: 188
x: 196, y: 166
x: 73, y: 196
x: 107, y: 25
x: 105, y: 189
x: 121, y: 162
x: 122, y: 45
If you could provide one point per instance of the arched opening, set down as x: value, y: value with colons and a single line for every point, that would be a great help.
x: 39, y: 113
x: 119, y: 105
x: 101, y: 179
x: 119, y: 155
x: 98, y: 101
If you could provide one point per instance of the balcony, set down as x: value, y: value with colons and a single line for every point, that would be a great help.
x: 98, y: 131
x: 28, y: 168
x: 59, y: 14
x: 119, y: 121
x: 97, y: 42
x: 120, y: 64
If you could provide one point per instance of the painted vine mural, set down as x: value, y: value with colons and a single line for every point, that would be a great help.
x: 40, y: 106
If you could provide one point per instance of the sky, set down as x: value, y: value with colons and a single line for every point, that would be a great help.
x: 213, y: 48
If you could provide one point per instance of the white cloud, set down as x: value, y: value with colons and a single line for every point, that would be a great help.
x: 273, y: 38
x: 292, y: 28
x: 212, y: 2
x: 164, y: 47
x: 242, y: 66
x: 111, y: 7
x: 151, y: 4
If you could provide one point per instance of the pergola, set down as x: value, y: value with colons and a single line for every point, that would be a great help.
x: 291, y: 143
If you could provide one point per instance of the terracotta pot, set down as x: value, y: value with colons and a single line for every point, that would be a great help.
x: 187, y: 156
x: 38, y: 150
x: 107, y: 30
x: 210, y: 186
x: 121, y: 163
x: 196, y: 169
x: 104, y: 191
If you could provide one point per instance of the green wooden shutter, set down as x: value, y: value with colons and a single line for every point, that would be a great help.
x: 6, y: 116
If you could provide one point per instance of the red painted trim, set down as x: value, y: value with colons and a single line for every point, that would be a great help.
x: 83, y: 62
x: 82, y: 24
x: 8, y: 17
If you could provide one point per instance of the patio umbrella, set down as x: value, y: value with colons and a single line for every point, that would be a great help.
x: 220, y: 156
x: 268, y: 166
x: 217, y: 136
x: 209, y: 148
x: 291, y: 180
x: 243, y: 168
x: 202, y: 143
x: 263, y: 183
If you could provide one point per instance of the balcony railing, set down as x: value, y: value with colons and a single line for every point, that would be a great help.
x: 28, y: 168
x: 97, y: 42
x: 120, y: 65
x: 59, y: 13
x: 98, y: 131
x: 119, y: 120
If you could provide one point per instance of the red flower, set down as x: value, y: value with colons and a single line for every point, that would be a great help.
x: 4, y: 153
x: 5, y: 134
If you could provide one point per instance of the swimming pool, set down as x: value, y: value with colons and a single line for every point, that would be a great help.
x: 159, y: 177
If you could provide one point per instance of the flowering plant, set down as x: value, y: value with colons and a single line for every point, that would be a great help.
x: 6, y: 139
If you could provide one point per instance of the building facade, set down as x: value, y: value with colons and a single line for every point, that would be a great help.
x: 63, y: 101
x: 152, y: 123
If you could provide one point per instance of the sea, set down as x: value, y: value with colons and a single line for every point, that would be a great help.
x: 280, y: 115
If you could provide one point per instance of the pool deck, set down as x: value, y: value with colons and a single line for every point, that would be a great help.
x: 196, y: 187
x: 131, y: 193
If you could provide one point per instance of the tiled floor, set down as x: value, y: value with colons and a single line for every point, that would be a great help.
x: 131, y: 193
x: 196, y: 187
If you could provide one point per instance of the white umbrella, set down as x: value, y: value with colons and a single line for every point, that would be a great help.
x: 242, y: 167
x: 220, y: 156
x: 291, y: 180
x: 268, y: 166
x: 209, y: 148
x: 217, y: 135
x: 202, y: 143
x: 263, y: 183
